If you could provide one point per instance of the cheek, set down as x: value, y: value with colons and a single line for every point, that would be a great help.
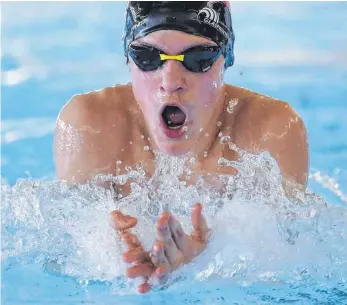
x: 139, y: 81
x: 207, y: 90
x: 144, y: 85
x: 217, y: 74
x: 211, y: 83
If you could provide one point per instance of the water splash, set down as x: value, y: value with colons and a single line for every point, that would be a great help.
x: 259, y: 234
x: 232, y: 104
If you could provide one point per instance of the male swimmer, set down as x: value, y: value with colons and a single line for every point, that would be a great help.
x: 177, y: 53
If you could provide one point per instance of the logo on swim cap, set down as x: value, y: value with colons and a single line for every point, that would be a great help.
x: 210, y: 19
x: 208, y: 15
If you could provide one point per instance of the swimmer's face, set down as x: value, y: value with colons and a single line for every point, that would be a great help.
x: 196, y: 94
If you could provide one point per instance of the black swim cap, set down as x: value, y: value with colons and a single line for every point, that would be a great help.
x: 209, y: 19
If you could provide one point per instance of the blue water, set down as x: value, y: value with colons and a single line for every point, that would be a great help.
x: 296, y: 52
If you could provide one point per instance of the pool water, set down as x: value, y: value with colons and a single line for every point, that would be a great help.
x: 292, y: 51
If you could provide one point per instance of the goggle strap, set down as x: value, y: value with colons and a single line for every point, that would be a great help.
x: 176, y: 57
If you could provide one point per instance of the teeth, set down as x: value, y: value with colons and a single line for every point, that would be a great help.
x: 174, y: 127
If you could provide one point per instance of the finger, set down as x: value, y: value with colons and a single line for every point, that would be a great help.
x: 130, y: 240
x: 180, y: 238
x: 144, y: 288
x: 161, y: 271
x: 122, y: 222
x: 158, y: 256
x: 140, y: 270
x: 163, y: 234
x: 201, y: 230
x: 135, y: 255
x: 160, y: 275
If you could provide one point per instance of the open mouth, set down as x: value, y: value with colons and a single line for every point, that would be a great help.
x: 173, y: 117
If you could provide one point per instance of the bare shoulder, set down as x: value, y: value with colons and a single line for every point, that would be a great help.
x: 96, y: 115
x: 90, y: 108
x: 90, y: 131
x: 263, y: 123
x: 259, y: 114
x: 257, y: 104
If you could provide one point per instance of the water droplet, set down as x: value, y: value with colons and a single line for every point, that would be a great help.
x: 206, y: 134
x: 201, y: 129
x: 130, y: 143
x: 185, y: 128
x: 186, y: 136
x: 220, y: 134
x: 122, y: 180
x: 205, y: 153
x: 225, y: 139
x: 146, y: 147
x: 119, y: 162
x: 169, y: 122
x: 192, y: 160
x: 219, y: 123
x: 232, y: 104
x: 142, y: 136
x: 221, y: 161
x: 122, y: 149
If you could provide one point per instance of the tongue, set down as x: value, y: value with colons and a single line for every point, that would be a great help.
x: 174, y: 115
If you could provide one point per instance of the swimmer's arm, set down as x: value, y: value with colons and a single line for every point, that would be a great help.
x: 284, y: 136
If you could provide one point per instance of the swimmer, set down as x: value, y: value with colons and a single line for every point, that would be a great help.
x: 177, y: 104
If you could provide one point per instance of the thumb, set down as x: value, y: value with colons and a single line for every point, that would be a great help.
x: 200, y: 228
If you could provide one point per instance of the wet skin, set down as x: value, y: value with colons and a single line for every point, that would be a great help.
x: 105, y: 131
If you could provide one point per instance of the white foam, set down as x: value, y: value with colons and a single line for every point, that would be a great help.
x: 258, y: 234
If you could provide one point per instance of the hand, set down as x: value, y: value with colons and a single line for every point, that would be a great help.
x: 172, y: 249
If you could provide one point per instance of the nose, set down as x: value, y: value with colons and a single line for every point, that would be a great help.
x: 173, y: 77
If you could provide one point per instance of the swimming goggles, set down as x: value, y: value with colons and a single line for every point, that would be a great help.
x: 197, y: 59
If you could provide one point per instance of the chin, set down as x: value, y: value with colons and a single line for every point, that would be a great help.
x: 174, y: 149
